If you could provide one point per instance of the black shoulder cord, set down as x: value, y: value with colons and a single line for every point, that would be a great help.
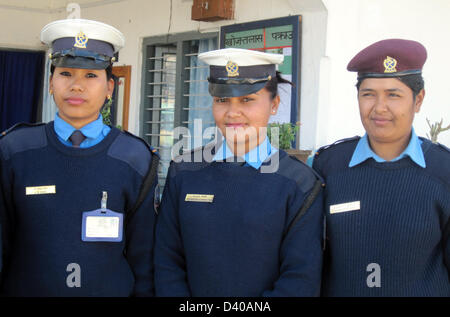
x: 305, y: 206
x: 145, y: 188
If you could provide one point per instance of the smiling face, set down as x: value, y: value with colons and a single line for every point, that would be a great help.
x: 80, y: 93
x: 387, y: 108
x: 243, y: 120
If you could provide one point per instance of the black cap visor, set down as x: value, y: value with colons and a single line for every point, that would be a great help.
x: 75, y: 58
x: 79, y: 62
x: 234, y: 90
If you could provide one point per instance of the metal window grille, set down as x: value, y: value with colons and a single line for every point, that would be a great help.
x: 174, y: 92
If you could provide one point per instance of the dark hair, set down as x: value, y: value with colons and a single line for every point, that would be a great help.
x: 108, y: 71
x: 272, y: 84
x: 415, y: 82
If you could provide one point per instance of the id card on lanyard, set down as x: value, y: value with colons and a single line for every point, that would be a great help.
x: 102, y: 225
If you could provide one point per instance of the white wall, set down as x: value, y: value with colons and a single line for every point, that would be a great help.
x: 20, y: 29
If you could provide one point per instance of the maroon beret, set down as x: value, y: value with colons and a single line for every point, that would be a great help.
x: 389, y: 58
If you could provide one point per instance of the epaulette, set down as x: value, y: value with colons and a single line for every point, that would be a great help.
x: 151, y: 148
x: 187, y: 155
x: 318, y: 177
x: 293, y: 168
x: 19, y: 126
x: 444, y: 147
x: 429, y: 143
x: 357, y: 137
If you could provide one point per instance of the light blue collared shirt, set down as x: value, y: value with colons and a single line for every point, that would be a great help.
x: 254, y: 158
x: 94, y: 132
x: 413, y: 150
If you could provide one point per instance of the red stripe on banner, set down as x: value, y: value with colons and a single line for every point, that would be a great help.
x: 269, y: 48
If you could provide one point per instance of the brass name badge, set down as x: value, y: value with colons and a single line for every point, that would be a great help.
x: 199, y: 198
x: 40, y: 190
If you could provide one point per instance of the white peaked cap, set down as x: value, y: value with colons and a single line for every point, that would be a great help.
x: 92, y: 29
x: 241, y: 57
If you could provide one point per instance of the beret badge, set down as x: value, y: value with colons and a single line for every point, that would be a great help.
x: 390, y: 65
x: 81, y: 40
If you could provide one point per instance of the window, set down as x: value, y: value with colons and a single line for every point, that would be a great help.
x: 175, y: 92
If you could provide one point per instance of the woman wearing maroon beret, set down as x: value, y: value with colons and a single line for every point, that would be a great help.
x: 387, y: 197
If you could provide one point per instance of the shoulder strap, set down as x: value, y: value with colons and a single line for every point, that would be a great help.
x: 143, y: 192
x: 444, y: 147
x: 20, y: 125
x: 318, y: 184
x: 335, y: 143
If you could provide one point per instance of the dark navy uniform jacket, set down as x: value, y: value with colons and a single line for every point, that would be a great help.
x: 388, y: 223
x: 222, y: 230
x: 41, y: 230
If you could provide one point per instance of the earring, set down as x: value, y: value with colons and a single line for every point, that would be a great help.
x: 50, y: 92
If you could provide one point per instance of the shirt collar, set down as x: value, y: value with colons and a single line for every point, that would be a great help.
x: 413, y: 150
x: 255, y: 158
x: 91, y: 130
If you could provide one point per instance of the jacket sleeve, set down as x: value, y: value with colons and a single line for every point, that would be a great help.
x: 5, y: 214
x: 316, y: 165
x: 301, y: 251
x: 446, y: 245
x: 140, y: 234
x: 170, y: 266
x: 2, y: 211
